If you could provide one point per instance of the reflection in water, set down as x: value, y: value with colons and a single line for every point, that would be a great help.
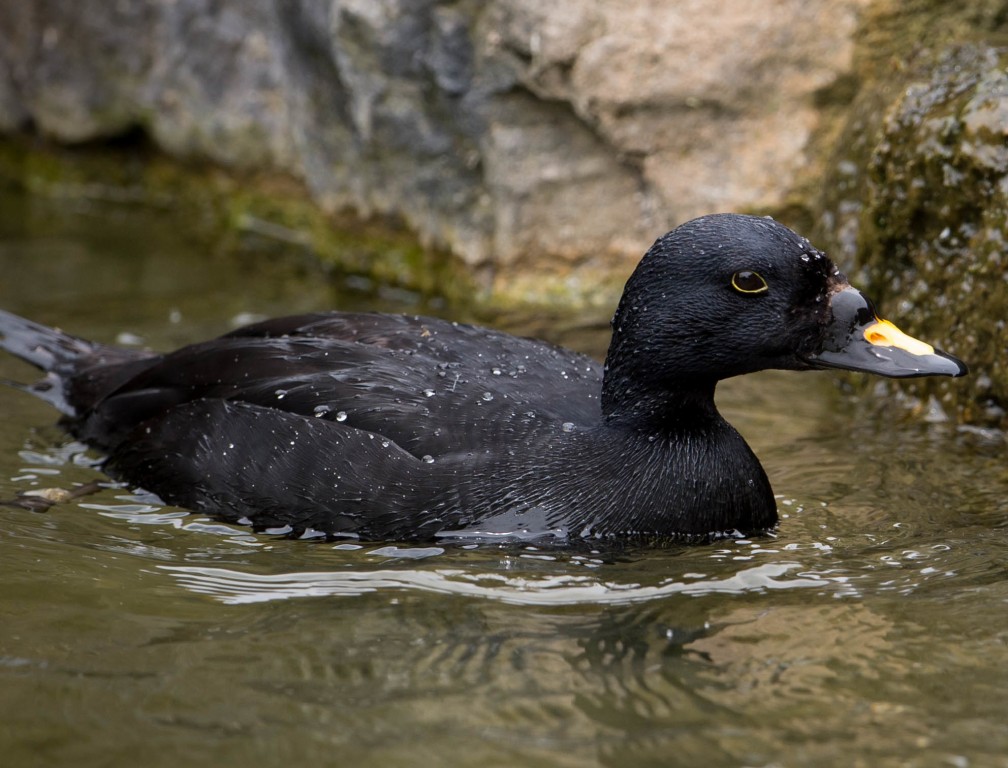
x: 235, y: 587
x: 736, y: 690
x: 828, y: 636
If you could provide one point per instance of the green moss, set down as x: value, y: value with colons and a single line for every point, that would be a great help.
x: 934, y: 219
x: 234, y: 211
x: 915, y: 199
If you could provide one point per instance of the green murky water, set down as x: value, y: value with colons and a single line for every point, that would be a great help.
x: 871, y: 631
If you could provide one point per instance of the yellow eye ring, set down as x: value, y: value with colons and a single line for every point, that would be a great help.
x: 749, y: 282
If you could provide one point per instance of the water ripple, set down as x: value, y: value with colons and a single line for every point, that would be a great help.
x: 236, y: 587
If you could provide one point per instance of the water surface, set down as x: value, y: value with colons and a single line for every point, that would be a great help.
x: 871, y: 630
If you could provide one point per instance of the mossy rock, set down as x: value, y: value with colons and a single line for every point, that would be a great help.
x: 917, y: 208
x: 229, y: 211
x: 933, y: 226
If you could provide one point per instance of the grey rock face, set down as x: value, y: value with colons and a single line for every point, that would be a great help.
x: 504, y: 130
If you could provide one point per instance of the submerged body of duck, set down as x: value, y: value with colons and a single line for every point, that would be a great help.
x: 392, y: 427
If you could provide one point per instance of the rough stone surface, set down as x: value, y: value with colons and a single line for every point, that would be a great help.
x: 504, y: 130
x: 920, y: 204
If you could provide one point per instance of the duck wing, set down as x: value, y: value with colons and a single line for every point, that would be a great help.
x: 256, y: 465
x: 431, y: 386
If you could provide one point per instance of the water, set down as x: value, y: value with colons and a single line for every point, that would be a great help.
x: 870, y: 631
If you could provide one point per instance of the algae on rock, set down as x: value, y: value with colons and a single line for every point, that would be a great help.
x: 919, y: 198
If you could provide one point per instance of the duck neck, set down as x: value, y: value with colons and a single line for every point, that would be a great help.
x: 699, y: 476
x: 676, y: 405
x: 677, y: 467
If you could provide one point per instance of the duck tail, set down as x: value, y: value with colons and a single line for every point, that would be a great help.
x: 59, y: 355
x: 48, y: 349
x: 78, y: 372
x: 51, y: 350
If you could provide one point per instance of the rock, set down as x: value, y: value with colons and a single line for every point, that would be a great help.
x: 507, y: 131
x: 921, y: 206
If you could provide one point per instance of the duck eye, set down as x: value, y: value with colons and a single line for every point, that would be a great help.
x: 748, y: 282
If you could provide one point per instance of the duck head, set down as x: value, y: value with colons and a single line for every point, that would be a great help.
x: 728, y: 294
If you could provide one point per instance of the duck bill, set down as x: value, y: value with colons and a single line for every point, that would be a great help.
x: 858, y: 340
